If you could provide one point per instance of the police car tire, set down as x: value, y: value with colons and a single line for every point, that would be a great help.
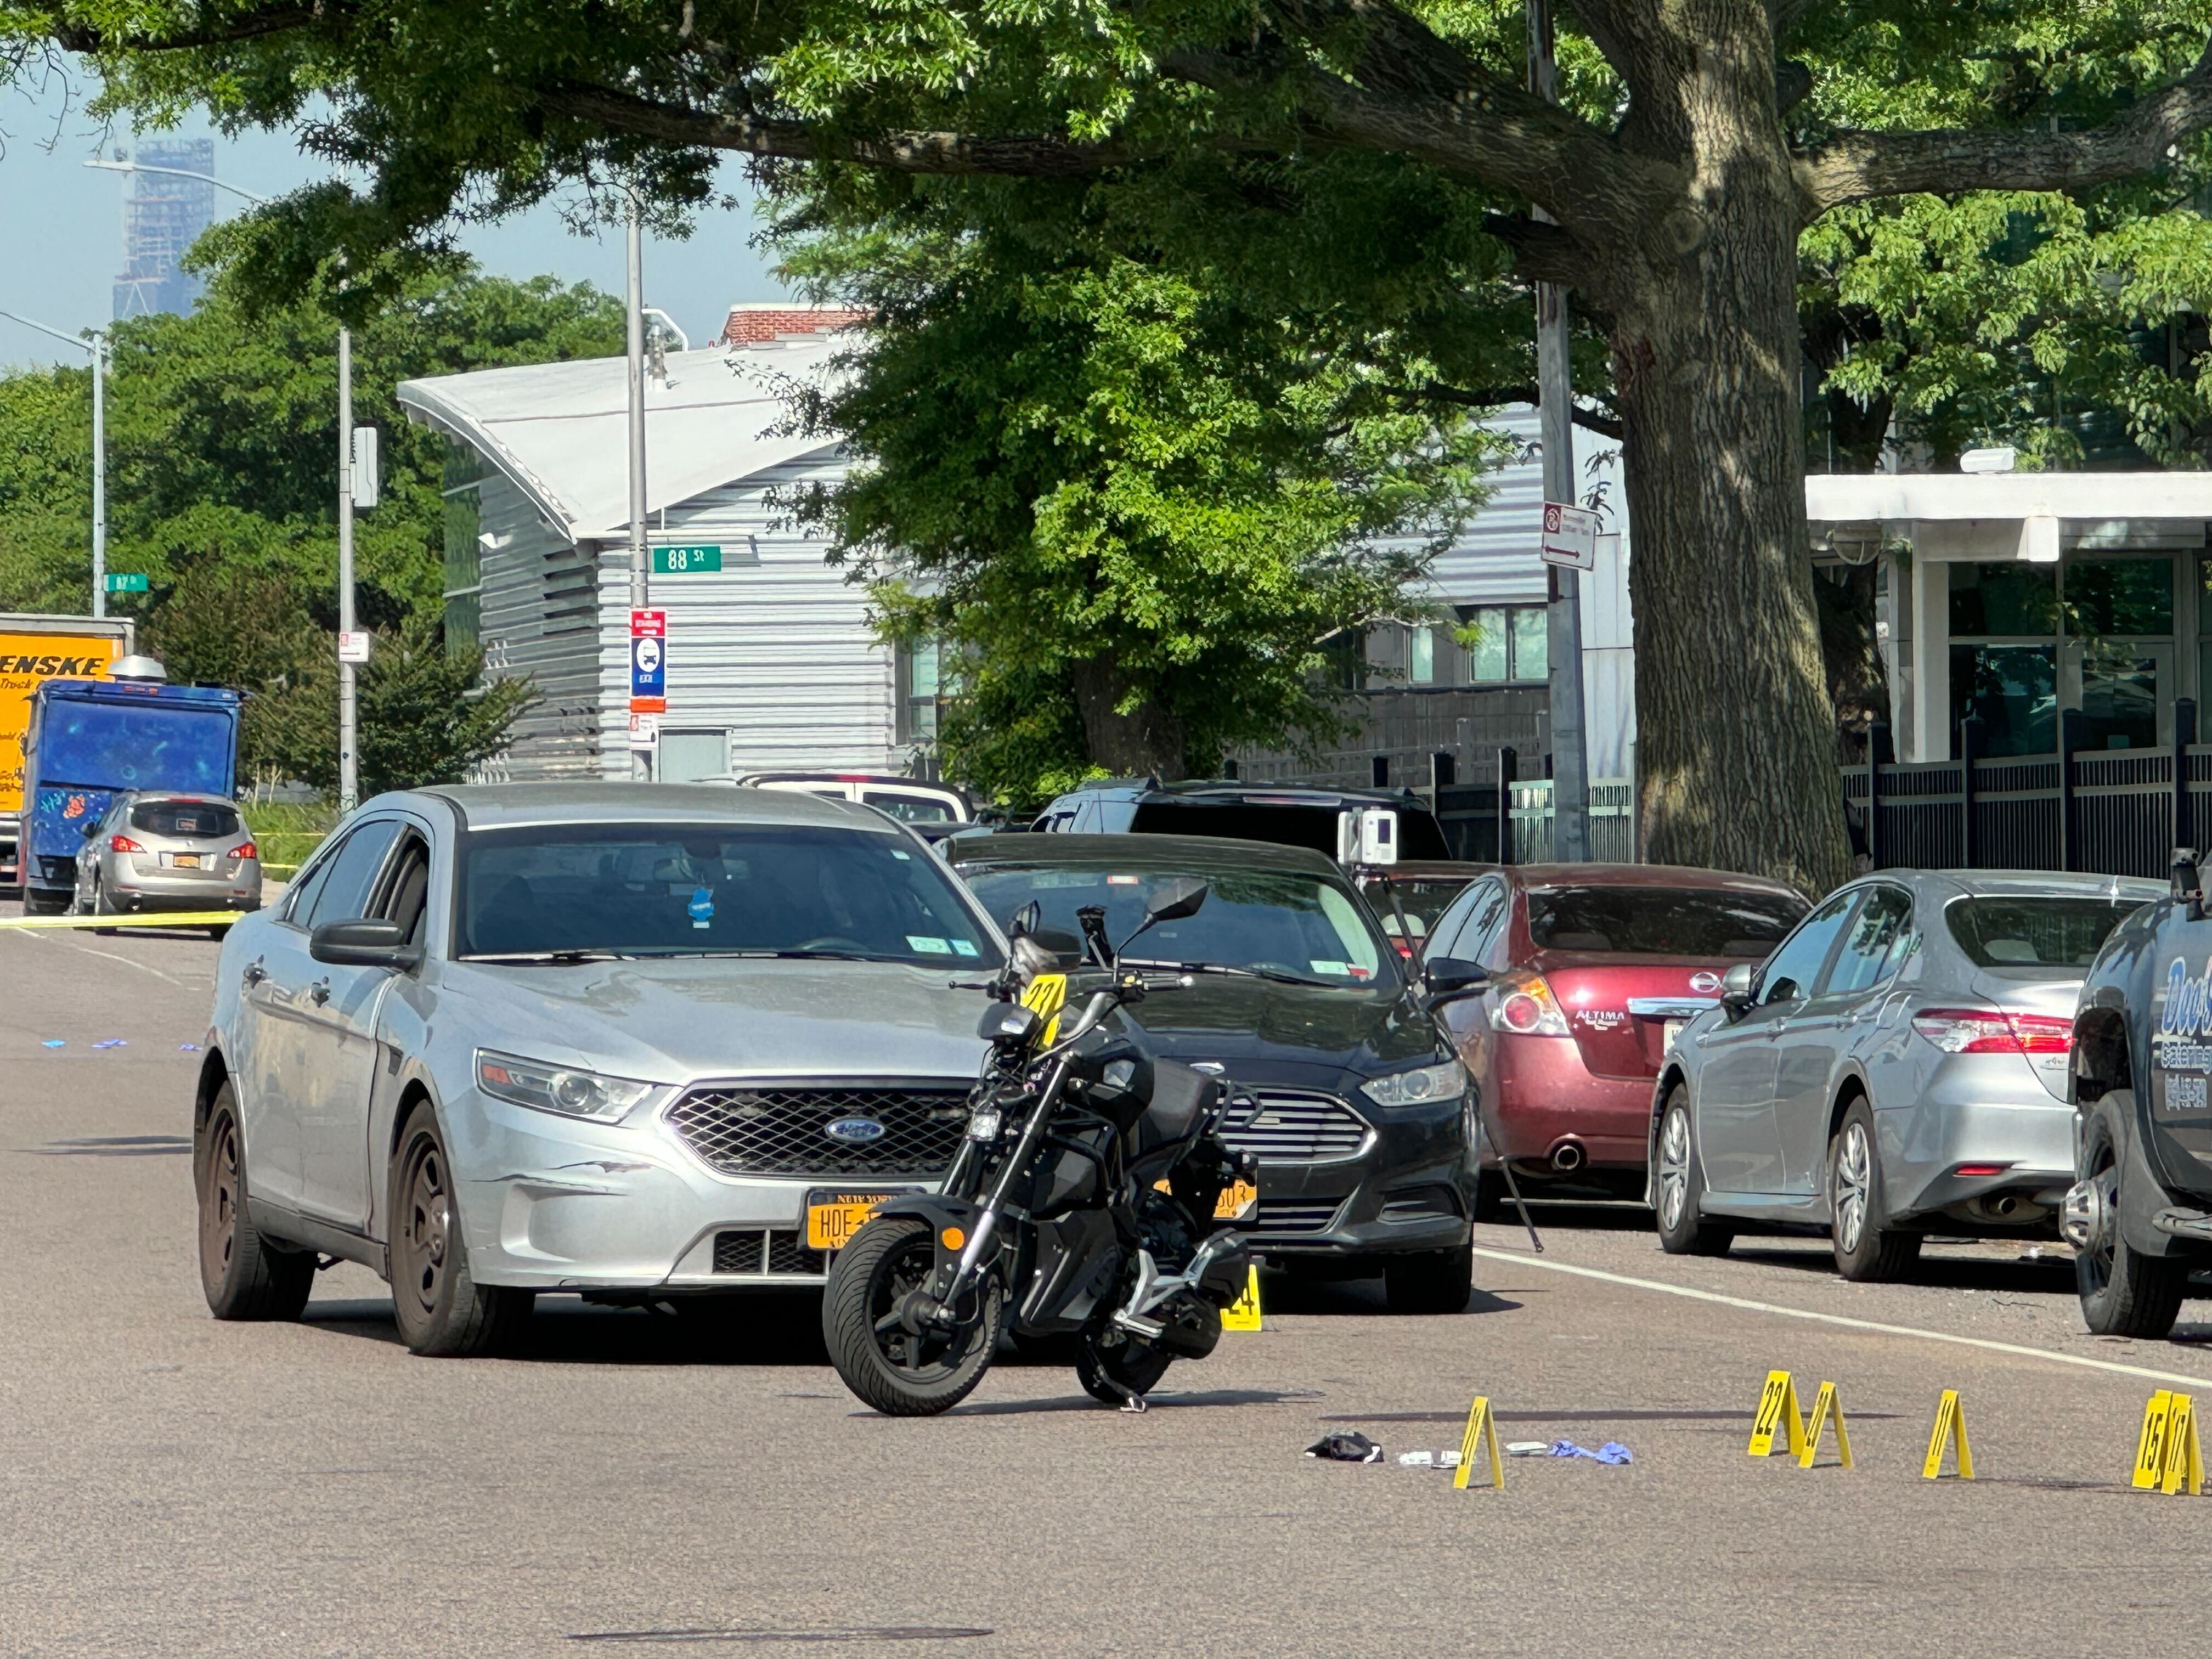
x: 459, y: 1319
x: 1429, y: 1281
x: 1492, y: 1204
x: 2140, y: 1296
x: 244, y: 1273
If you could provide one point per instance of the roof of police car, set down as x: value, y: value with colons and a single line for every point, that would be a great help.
x: 509, y: 805
x: 1193, y: 853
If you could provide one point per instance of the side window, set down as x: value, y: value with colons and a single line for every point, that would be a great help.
x: 1795, y: 967
x: 344, y: 894
x: 1459, y: 932
x: 1487, y: 947
x: 300, y: 900
x: 407, y: 887
x: 1871, y: 949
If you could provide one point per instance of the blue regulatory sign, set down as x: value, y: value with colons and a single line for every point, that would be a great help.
x: 649, y: 667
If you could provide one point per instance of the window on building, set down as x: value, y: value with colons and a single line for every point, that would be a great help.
x: 1506, y: 643
x: 463, y: 476
x: 2092, y: 633
x: 921, y: 691
x: 1346, y: 651
x: 687, y: 757
x: 1421, y: 656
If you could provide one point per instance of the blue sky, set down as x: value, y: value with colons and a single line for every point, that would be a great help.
x: 65, y: 227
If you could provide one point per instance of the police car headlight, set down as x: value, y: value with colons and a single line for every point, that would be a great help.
x: 561, y: 1089
x: 1422, y: 1086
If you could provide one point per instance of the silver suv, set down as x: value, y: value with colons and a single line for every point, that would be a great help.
x: 156, y: 850
x: 635, y: 1041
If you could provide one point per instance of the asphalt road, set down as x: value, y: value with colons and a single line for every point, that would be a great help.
x: 172, y: 1486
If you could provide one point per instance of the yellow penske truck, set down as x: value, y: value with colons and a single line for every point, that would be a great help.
x: 34, y: 649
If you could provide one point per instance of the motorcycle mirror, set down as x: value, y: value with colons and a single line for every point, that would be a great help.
x: 1179, y: 898
x: 1025, y: 920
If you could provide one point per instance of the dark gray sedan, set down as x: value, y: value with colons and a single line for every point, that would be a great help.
x: 1897, y: 1066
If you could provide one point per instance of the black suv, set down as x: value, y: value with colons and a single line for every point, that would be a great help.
x: 1289, y: 815
x: 1342, y: 1082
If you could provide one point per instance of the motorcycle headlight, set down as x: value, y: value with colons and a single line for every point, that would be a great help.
x: 1421, y: 1086
x: 571, y: 1093
x: 983, y: 1126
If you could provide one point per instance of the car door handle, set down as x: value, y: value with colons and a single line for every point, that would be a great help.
x: 320, y: 991
x: 254, y: 973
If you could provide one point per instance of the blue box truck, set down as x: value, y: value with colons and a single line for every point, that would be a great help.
x: 89, y: 740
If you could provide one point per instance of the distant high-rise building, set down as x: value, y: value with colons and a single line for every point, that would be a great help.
x: 162, y: 215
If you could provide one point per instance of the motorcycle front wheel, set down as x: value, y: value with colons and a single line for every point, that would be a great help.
x: 1110, y: 1376
x: 888, y: 1368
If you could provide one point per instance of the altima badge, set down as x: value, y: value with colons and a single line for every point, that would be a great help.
x: 854, y: 1129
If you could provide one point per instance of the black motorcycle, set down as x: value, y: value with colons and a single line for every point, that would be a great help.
x: 1091, y: 1198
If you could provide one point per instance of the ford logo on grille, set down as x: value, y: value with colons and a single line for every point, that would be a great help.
x: 854, y: 1129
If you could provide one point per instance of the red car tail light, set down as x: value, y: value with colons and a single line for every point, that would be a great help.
x: 123, y: 844
x: 1993, y: 1031
x: 1526, y: 1006
x: 245, y: 850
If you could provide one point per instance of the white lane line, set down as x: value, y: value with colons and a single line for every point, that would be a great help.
x: 91, y: 952
x: 1522, y: 1259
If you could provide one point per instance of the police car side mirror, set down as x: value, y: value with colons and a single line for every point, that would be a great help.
x: 363, y: 943
x: 1736, y: 989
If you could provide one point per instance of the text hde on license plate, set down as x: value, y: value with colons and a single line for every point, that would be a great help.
x: 833, y: 1217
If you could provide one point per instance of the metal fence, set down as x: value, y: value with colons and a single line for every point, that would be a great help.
x: 2116, y: 812
x: 1612, y: 821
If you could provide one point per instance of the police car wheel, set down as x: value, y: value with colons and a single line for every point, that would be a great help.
x: 244, y: 1275
x: 2124, y: 1293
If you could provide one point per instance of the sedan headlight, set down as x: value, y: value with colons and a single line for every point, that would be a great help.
x: 546, y: 1088
x: 1419, y: 1087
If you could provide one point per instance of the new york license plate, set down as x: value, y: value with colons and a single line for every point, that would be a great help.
x: 832, y: 1217
x: 185, y: 861
x: 1238, y: 1200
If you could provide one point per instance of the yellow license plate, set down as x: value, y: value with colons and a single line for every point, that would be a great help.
x: 1237, y: 1200
x: 187, y: 861
x: 830, y: 1225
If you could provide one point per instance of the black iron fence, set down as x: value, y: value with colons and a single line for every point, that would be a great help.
x: 2115, y: 812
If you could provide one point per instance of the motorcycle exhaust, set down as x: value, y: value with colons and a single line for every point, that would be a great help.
x: 1568, y: 1156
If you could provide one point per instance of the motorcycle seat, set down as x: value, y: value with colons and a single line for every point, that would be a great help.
x: 1181, y: 1098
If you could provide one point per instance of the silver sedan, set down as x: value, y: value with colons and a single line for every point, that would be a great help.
x: 642, y: 1043
x: 1897, y: 1066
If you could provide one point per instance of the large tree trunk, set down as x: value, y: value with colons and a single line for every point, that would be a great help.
x: 1736, y: 737
x: 1146, y: 742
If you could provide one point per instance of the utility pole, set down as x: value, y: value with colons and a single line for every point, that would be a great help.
x: 1564, y: 632
x: 97, y: 345
x: 641, y: 565
x: 349, y: 707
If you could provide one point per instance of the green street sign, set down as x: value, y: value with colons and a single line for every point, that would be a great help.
x: 686, y: 560
x: 122, y: 584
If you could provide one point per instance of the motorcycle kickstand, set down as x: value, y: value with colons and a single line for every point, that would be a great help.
x: 1131, y: 1399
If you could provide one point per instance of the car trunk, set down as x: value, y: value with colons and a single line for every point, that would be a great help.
x: 2019, y: 991
x: 1594, y: 991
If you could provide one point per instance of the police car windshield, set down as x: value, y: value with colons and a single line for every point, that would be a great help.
x: 713, y: 889
x: 1285, y: 924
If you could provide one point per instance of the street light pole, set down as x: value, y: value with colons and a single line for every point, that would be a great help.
x: 640, y: 565
x: 97, y: 345
x: 348, y: 702
x: 1563, y: 618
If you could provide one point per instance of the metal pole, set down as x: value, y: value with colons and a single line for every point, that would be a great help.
x: 99, y: 475
x: 641, y: 567
x: 349, y: 767
x: 1564, y: 632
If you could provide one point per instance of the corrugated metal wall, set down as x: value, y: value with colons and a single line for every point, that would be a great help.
x: 539, y: 618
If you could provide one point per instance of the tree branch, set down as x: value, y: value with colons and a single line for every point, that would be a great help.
x: 1019, y: 156
x: 1492, y: 396
x: 1853, y: 166
x: 251, y: 26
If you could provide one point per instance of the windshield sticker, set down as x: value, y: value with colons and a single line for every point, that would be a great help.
x: 926, y: 945
x: 1341, y: 969
x: 1042, y: 879
x: 1123, y: 881
x: 962, y: 947
x: 702, y: 906
x: 902, y: 857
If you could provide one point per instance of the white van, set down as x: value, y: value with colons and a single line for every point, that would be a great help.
x: 910, y: 800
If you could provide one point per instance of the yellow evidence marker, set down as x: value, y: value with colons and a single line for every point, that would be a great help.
x: 1826, y: 1404
x: 1950, y: 1425
x: 2168, y: 1456
x: 1778, y: 1408
x: 1243, y: 1313
x: 1479, y: 1428
x: 1046, y: 996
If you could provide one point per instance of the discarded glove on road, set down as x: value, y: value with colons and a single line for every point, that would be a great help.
x: 1612, y: 1452
x: 1343, y: 1447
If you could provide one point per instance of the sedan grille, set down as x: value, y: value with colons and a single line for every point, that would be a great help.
x: 1284, y: 1127
x: 779, y: 1250
x: 1281, y: 1217
x: 781, y: 1130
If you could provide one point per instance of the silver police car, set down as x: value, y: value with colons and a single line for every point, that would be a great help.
x: 1897, y: 1067
x: 640, y: 1042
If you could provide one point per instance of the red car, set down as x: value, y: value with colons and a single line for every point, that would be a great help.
x: 1594, y: 968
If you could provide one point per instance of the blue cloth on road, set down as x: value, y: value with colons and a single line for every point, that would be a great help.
x: 1612, y: 1452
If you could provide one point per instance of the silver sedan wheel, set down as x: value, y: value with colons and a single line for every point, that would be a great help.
x: 1674, y: 1168
x: 1854, y: 1180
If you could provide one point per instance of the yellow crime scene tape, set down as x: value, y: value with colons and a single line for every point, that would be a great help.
x: 136, y: 918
